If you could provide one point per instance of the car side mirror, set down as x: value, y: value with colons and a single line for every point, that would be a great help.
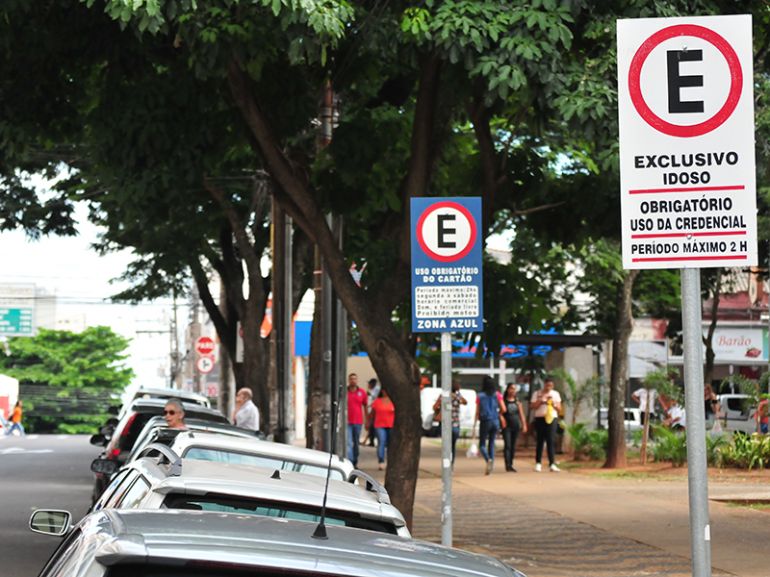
x: 98, y: 440
x: 104, y: 466
x: 50, y: 522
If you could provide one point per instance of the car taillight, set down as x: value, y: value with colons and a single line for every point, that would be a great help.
x: 115, y: 453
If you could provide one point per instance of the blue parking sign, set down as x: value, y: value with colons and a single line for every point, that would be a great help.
x: 447, y: 289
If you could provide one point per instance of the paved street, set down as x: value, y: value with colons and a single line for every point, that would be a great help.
x: 47, y: 471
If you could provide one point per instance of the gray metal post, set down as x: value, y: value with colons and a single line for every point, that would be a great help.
x: 700, y: 530
x: 446, y: 439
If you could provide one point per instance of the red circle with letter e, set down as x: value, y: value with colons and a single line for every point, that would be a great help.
x: 446, y: 231
x: 205, y: 345
x: 733, y: 96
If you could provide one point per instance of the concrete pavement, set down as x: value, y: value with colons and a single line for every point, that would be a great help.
x: 596, y: 524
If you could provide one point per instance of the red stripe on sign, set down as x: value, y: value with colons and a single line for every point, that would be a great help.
x: 685, y: 234
x: 684, y: 258
x: 686, y: 189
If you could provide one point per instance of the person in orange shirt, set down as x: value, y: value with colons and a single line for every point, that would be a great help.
x: 16, y: 420
x: 384, y: 416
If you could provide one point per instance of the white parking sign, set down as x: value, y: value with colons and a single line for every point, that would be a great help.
x: 688, y: 186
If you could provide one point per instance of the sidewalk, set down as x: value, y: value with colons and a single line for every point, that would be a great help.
x: 588, y: 524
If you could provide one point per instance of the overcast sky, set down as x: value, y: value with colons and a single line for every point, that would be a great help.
x: 69, y: 268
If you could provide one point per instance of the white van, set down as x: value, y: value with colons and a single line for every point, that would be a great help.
x: 737, y: 413
x: 432, y: 428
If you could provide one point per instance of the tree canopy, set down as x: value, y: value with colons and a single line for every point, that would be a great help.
x: 68, y: 380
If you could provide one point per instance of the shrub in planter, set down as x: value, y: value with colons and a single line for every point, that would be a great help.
x: 670, y: 446
x: 747, y: 451
x: 588, y: 444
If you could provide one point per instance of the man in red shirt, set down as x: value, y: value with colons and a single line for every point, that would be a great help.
x: 356, y: 409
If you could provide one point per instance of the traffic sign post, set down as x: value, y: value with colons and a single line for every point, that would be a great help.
x: 688, y: 190
x: 447, y: 295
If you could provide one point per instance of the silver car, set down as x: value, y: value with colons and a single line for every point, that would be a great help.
x: 169, y: 482
x: 139, y: 543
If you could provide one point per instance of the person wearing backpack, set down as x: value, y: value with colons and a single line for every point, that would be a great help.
x: 546, y: 404
x: 489, y: 407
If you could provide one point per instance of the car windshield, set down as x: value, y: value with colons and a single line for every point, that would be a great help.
x: 268, y: 462
x: 264, y: 508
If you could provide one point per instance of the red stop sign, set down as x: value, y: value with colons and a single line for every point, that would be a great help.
x: 205, y: 345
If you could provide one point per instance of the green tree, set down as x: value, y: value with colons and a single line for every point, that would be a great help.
x: 67, y: 380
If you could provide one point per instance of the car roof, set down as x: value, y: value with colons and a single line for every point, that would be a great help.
x: 261, y: 447
x: 156, y: 430
x: 252, y: 542
x: 247, y: 481
x: 154, y: 405
x: 170, y: 393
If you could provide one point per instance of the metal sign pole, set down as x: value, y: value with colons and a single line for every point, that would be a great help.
x: 446, y: 439
x: 697, y: 472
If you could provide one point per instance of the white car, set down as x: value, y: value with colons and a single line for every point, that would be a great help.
x: 212, y: 446
x: 170, y: 482
x: 632, y: 419
x: 737, y: 413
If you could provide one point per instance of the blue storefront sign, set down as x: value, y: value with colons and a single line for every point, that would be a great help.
x: 447, y: 290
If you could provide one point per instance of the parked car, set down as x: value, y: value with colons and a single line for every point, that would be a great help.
x: 167, y: 481
x: 140, y: 543
x: 632, y: 419
x: 157, y: 431
x: 150, y: 393
x: 737, y: 413
x: 243, y: 450
x: 118, y: 445
x: 155, y: 393
x: 432, y: 427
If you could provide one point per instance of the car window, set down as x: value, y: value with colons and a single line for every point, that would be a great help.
x: 63, y: 554
x: 108, y: 492
x: 236, y: 458
x: 135, y: 493
x: 264, y: 508
x: 128, y: 437
x: 120, y: 490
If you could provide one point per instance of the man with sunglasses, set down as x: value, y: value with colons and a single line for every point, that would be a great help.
x: 174, y: 414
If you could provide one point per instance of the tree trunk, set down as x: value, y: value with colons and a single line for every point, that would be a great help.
x: 616, y: 448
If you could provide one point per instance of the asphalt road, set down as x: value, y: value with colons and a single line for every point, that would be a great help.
x: 36, y: 472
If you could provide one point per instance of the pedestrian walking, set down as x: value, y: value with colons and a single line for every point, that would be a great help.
x: 383, y: 417
x: 15, y: 420
x: 762, y: 416
x: 246, y: 413
x: 371, y: 396
x: 457, y: 400
x: 514, y: 423
x: 546, y: 404
x: 489, y: 408
x: 356, y: 411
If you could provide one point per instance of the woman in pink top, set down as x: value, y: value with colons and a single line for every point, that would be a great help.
x: 384, y: 415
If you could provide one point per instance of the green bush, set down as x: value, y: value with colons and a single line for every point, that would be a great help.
x: 669, y: 446
x: 588, y: 444
x: 715, y: 447
x: 746, y: 452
